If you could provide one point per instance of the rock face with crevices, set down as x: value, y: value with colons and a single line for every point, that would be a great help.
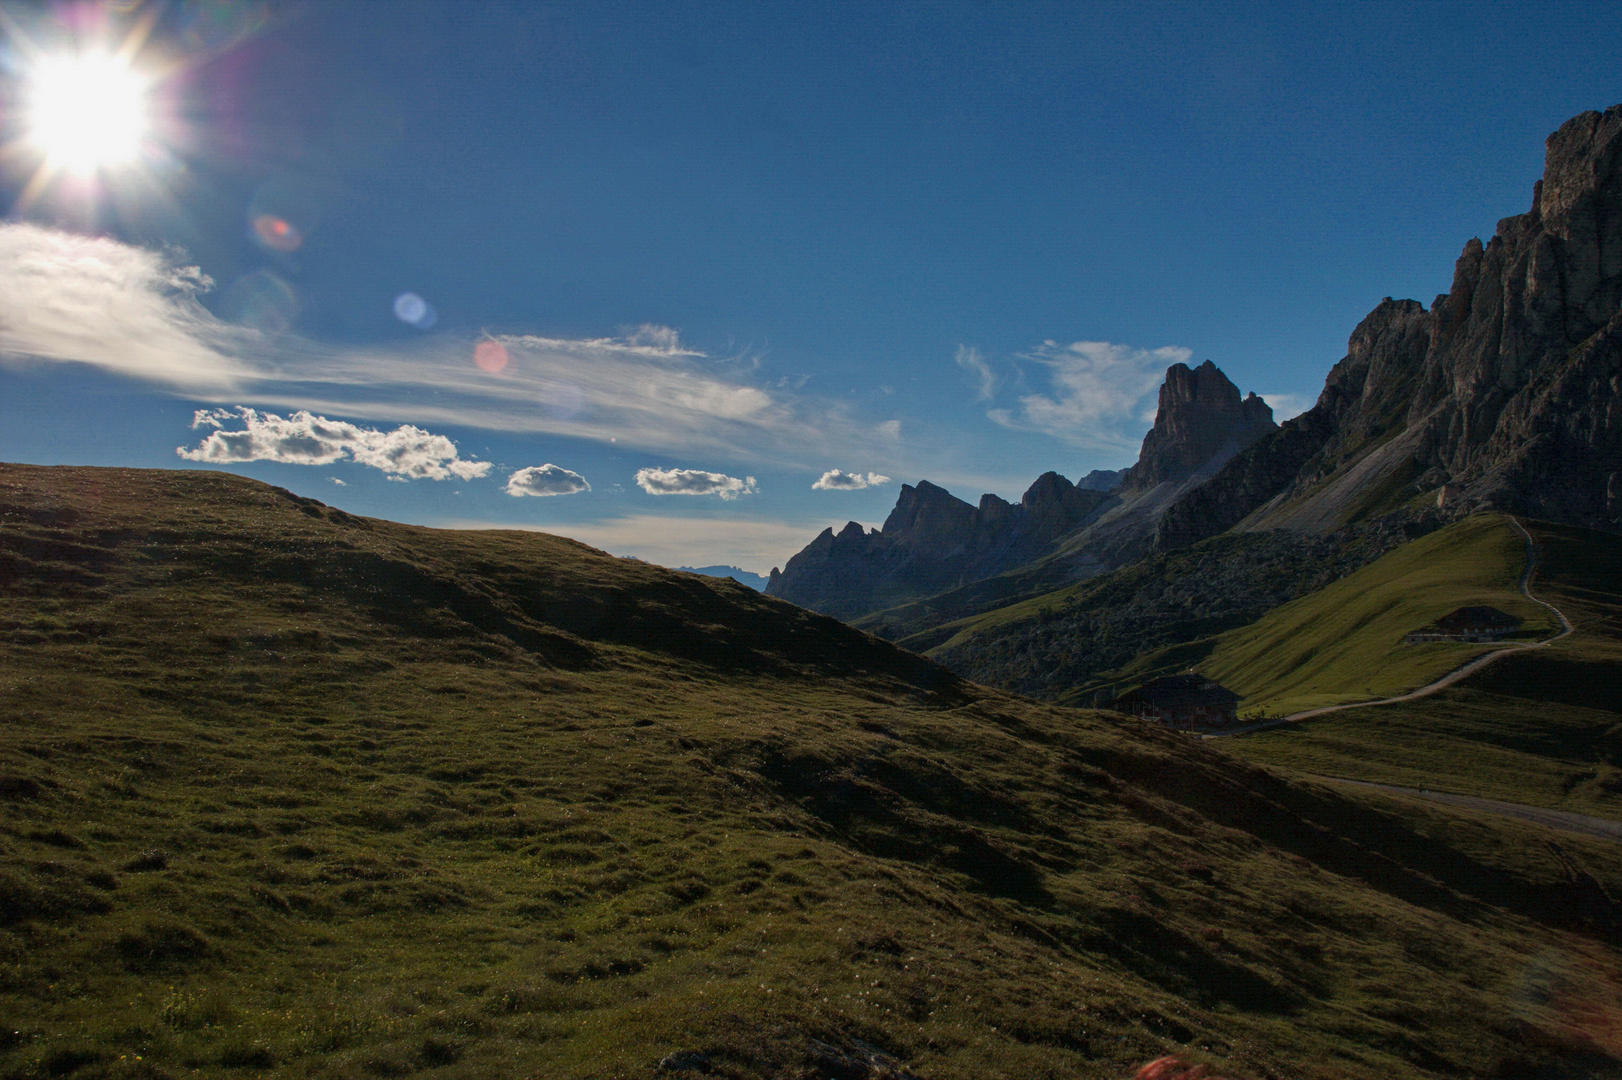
x: 1505, y: 394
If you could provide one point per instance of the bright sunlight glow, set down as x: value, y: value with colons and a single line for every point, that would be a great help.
x: 87, y: 112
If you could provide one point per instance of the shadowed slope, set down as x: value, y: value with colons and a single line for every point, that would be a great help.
x: 287, y: 792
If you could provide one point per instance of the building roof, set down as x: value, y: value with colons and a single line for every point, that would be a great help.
x: 1189, y: 690
x: 1476, y: 618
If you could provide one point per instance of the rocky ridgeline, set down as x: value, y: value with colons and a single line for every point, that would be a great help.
x: 1506, y: 393
x: 933, y: 541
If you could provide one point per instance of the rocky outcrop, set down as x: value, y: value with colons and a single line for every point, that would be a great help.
x: 1201, y: 418
x: 1507, y: 393
x: 1102, y: 480
x: 931, y: 541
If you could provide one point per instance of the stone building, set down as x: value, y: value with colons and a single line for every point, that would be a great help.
x: 1189, y: 700
x: 1467, y: 624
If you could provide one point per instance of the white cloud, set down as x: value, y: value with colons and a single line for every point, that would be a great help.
x: 1097, y: 392
x: 890, y: 430
x: 546, y: 479
x: 405, y: 453
x: 335, y: 480
x: 693, y: 482
x: 127, y: 309
x: 969, y: 359
x: 134, y: 311
x: 839, y: 480
x: 1285, y: 406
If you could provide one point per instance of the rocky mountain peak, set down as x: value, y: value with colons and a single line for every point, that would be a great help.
x: 1201, y: 418
x: 1506, y: 394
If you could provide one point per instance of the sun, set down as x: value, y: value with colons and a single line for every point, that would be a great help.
x: 87, y: 112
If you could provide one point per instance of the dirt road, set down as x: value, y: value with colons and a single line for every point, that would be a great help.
x: 1463, y: 671
x: 1554, y: 819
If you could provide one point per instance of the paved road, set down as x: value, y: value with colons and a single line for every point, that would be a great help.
x: 1554, y: 819
x: 1461, y: 672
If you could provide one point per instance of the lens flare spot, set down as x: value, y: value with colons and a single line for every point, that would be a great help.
x: 490, y: 356
x: 413, y: 310
x: 217, y: 25
x: 276, y: 233
x: 263, y: 301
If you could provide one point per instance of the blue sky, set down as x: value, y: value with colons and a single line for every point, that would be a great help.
x: 725, y: 249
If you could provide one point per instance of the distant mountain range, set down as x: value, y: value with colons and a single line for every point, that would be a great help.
x: 1506, y: 393
x: 754, y: 581
x: 933, y: 541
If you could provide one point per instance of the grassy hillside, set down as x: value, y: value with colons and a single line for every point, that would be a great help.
x: 1543, y: 726
x: 1344, y: 642
x: 285, y: 792
x: 1065, y: 645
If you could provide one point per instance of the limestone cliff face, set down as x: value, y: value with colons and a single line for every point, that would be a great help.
x: 931, y: 541
x: 1507, y: 393
x: 1201, y: 417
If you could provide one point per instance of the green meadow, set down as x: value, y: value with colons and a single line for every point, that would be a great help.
x: 1344, y: 643
x: 1542, y: 726
x: 286, y: 792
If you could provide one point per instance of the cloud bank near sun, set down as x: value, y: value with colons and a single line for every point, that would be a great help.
x: 136, y: 312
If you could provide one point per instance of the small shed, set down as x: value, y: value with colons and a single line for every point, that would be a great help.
x: 1467, y: 624
x: 1182, y: 701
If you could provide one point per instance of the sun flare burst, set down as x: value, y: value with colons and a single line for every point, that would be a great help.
x: 87, y: 112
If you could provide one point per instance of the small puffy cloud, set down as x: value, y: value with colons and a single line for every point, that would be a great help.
x: 302, y: 438
x: 969, y: 359
x: 546, y: 479
x: 1097, y: 392
x: 840, y: 480
x: 693, y: 482
x: 1285, y: 406
x: 337, y: 481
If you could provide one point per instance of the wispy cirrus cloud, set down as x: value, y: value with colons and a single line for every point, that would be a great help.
x: 135, y: 311
x: 971, y: 360
x: 1094, y: 393
x: 405, y: 453
x: 840, y: 480
x: 545, y: 480
x: 693, y: 482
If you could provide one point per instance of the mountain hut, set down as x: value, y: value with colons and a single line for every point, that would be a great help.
x: 1182, y: 701
x: 1467, y: 624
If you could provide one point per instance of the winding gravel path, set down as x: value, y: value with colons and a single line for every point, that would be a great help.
x: 1463, y: 671
x: 1564, y: 820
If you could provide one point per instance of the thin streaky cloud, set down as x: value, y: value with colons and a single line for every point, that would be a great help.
x: 971, y: 360
x: 134, y: 311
